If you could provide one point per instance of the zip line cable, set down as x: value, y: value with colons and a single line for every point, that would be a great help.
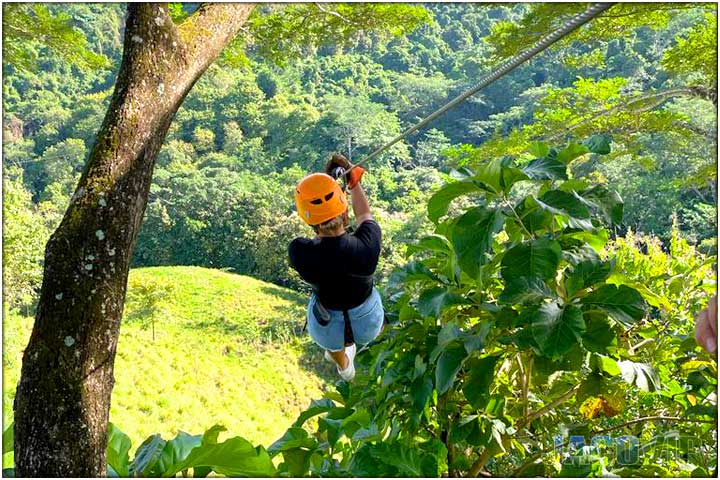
x: 507, y: 67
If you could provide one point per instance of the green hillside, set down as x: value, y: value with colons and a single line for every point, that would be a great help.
x: 227, y: 350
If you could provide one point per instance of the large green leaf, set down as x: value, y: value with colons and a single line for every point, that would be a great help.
x: 434, y: 300
x: 557, y: 329
x: 566, y: 204
x: 235, y: 457
x: 571, y: 152
x: 316, y: 408
x: 525, y: 290
x: 499, y: 175
x: 607, y: 203
x: 175, y: 452
x: 434, y: 243
x: 297, y: 462
x: 472, y: 238
x: 546, y: 168
x: 117, y: 452
x: 539, y: 149
x: 294, y: 437
x: 421, y: 391
x: 448, y: 366
x: 599, y: 144
x: 477, y: 387
x: 599, y: 335
x: 440, y: 201
x: 624, y: 304
x: 538, y: 258
x: 406, y: 459
x: 585, y: 274
x: 366, y: 462
x: 147, y: 456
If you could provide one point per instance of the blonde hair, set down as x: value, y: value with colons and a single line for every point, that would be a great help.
x: 331, y: 226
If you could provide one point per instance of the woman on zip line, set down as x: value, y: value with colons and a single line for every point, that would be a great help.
x: 345, y: 309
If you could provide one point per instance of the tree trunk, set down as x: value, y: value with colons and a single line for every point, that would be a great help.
x: 63, y: 397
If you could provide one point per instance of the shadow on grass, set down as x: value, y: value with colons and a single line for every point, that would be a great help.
x: 311, y: 360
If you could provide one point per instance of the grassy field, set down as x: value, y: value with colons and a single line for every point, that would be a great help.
x: 227, y: 349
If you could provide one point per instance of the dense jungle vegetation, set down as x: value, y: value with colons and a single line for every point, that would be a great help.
x: 546, y: 244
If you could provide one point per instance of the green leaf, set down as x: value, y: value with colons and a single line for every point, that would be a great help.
x: 316, y: 408
x: 406, y: 459
x: 640, y: 374
x: 608, y: 203
x: 538, y: 149
x: 601, y: 363
x: 472, y: 238
x: 210, y: 437
x: 117, y: 452
x: 599, y: 144
x: 546, y: 169
x: 147, y: 456
x: 434, y: 243
x: 525, y: 290
x: 592, y: 386
x: 571, y: 152
x: 420, y: 392
x: 440, y: 201
x: 434, y: 300
x: 557, y: 329
x: 577, y: 466
x: 462, y: 428
x: 624, y: 304
x: 294, y: 437
x: 235, y: 457
x: 365, y: 462
x: 539, y: 258
x: 448, y: 366
x: 477, y: 387
x: 596, y: 238
x: 599, y: 334
x: 499, y: 175
x: 566, y: 204
x: 175, y: 452
x: 490, y: 174
x: 447, y: 334
x: 297, y: 462
x: 585, y: 274
x: 8, y: 438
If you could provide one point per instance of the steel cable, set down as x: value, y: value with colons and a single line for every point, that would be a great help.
x: 572, y: 24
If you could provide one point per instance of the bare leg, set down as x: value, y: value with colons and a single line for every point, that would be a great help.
x: 340, y: 358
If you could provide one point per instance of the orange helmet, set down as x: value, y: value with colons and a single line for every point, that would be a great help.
x: 319, y: 198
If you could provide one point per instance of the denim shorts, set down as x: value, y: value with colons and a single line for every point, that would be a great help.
x: 366, y: 320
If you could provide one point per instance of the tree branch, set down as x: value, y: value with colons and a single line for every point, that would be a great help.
x: 479, y: 463
x: 333, y: 13
x: 662, y: 95
x: 210, y: 28
x: 539, y: 413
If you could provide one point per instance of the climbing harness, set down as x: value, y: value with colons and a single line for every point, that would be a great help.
x: 507, y: 67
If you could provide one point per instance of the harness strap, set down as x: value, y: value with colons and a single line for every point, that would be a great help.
x: 349, y: 338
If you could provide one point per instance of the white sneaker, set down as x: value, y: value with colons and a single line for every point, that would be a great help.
x: 328, y: 357
x: 349, y: 373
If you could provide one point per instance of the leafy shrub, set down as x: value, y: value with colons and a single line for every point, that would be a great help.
x: 516, y: 327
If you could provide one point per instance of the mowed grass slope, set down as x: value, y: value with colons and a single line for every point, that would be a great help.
x: 226, y: 350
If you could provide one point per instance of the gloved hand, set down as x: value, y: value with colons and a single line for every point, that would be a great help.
x: 339, y: 160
